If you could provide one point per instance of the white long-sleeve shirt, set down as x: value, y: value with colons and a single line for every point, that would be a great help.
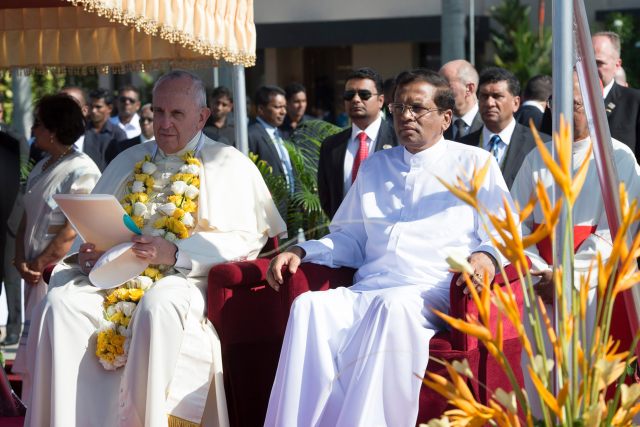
x: 398, y: 220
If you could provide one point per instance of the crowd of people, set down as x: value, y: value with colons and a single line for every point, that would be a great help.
x: 377, y: 181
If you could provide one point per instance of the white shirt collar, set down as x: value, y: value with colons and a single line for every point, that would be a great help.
x: 145, y: 139
x: 191, y: 145
x: 607, y: 88
x: 505, y: 134
x: 533, y: 103
x: 271, y: 130
x: 425, y: 156
x: 371, y: 130
x: 468, y: 116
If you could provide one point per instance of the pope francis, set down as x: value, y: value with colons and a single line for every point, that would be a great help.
x: 171, y: 369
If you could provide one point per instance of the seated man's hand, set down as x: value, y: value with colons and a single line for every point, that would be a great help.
x: 483, y: 265
x: 154, y: 250
x: 544, y: 288
x: 292, y: 257
x: 88, y: 256
x: 30, y: 276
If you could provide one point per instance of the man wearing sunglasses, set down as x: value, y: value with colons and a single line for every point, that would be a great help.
x: 342, y: 154
x: 128, y: 106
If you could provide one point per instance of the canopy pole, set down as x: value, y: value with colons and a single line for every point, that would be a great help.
x: 563, y: 57
x: 240, y: 109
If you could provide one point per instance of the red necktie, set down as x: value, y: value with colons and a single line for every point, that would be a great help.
x: 363, y: 152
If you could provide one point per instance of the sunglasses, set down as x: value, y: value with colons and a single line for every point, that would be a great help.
x: 146, y: 120
x: 125, y: 99
x: 364, y: 94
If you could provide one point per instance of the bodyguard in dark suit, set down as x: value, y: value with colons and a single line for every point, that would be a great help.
x: 506, y: 139
x: 264, y: 138
x: 100, y: 131
x: 341, y: 154
x: 536, y: 94
x: 463, y: 81
x: 621, y: 104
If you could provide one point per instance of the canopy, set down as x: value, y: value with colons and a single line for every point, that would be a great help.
x: 83, y: 36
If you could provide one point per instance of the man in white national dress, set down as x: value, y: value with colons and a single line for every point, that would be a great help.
x: 350, y: 355
x: 198, y: 203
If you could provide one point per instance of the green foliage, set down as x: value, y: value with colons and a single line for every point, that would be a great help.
x: 518, y: 48
x: 627, y: 27
x: 45, y: 84
x: 302, y: 208
x: 5, y: 91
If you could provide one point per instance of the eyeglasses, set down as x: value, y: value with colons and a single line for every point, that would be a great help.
x: 578, y: 107
x: 416, y: 111
x: 364, y: 94
x: 125, y: 99
x: 146, y: 120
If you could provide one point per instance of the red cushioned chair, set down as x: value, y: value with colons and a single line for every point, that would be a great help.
x: 251, y: 318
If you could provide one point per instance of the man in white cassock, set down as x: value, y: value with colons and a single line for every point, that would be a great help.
x: 174, y: 365
x: 591, y: 228
x: 350, y: 355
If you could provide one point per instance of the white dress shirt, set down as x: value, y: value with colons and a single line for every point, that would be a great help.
x: 132, y: 129
x: 354, y: 144
x: 505, y: 135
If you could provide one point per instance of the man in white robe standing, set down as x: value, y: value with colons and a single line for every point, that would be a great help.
x: 173, y: 369
x: 350, y: 355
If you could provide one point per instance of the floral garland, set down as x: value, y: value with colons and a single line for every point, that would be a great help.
x: 170, y: 205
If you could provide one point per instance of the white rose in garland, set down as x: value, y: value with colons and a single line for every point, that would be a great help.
x: 178, y: 187
x: 167, y: 208
x: 191, y: 192
x: 149, y: 168
x: 139, y: 209
x: 138, y: 187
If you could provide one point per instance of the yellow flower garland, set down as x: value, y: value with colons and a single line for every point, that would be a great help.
x: 176, y: 222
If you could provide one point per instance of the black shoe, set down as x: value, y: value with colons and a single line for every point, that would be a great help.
x: 11, y: 339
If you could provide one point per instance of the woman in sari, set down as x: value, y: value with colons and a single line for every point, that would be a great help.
x: 44, y: 235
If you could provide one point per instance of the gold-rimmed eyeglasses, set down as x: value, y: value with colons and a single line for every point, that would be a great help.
x: 416, y: 111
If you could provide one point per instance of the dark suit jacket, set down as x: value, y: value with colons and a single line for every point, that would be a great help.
x: 96, y: 144
x: 260, y: 143
x: 521, y: 144
x: 622, y: 105
x: 331, y: 164
x: 527, y: 112
x: 118, y: 147
x: 475, y: 125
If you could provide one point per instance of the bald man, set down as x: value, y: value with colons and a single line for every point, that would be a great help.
x: 463, y: 81
x: 622, y: 104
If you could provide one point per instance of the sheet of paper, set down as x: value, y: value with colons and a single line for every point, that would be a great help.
x: 98, y: 218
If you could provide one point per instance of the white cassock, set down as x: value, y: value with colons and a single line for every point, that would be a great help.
x: 588, y: 211
x: 174, y: 358
x: 351, y: 355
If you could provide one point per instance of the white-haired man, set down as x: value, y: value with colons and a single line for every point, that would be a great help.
x: 174, y: 351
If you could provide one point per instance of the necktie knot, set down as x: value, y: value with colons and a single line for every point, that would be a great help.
x: 363, y: 152
x: 460, y: 127
x: 494, y: 144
